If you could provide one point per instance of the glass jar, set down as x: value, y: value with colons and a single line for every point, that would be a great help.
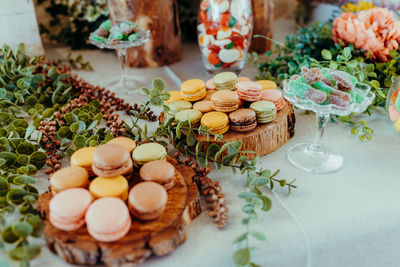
x: 393, y: 104
x: 224, y: 31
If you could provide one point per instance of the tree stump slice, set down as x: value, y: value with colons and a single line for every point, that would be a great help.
x: 161, y: 18
x: 265, y: 138
x: 157, y: 237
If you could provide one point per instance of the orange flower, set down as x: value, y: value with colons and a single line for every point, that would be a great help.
x: 373, y: 30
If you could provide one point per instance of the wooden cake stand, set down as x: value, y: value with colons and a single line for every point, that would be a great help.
x: 265, y: 138
x: 157, y: 237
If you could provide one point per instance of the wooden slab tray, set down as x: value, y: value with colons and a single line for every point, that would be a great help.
x: 265, y: 138
x: 157, y: 237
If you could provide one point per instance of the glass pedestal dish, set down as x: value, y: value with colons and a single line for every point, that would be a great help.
x: 124, y: 82
x: 315, y: 157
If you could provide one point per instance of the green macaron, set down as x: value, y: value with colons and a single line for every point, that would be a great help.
x: 176, y: 106
x: 265, y: 111
x: 191, y: 115
x: 225, y: 81
x: 148, y: 152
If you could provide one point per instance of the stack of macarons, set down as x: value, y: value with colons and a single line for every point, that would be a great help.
x: 105, y: 203
x: 226, y: 93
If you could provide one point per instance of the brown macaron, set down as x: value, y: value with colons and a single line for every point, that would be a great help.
x: 110, y: 160
x: 124, y: 141
x: 147, y: 200
x: 243, y: 120
x: 160, y: 172
x: 225, y: 101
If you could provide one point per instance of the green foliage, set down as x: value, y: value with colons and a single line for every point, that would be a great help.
x: 77, y: 63
x: 72, y: 21
x: 228, y: 154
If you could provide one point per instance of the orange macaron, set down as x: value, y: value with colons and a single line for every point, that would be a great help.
x: 225, y: 101
x: 274, y: 96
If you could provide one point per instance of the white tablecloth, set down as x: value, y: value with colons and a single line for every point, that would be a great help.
x: 348, y: 218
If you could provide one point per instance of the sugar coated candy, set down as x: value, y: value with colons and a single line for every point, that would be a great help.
x: 339, y: 98
x: 343, y: 82
x: 316, y: 96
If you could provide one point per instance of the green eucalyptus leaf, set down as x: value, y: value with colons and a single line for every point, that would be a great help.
x: 25, y: 253
x: 47, y: 113
x: 247, y: 195
x: 240, y: 238
x: 79, y: 141
x: 15, y: 195
x: 10, y: 157
x: 31, y: 189
x: 242, y: 257
x: 267, y: 203
x: 4, y: 117
x: 158, y: 84
x: 64, y: 132
x: 37, y: 225
x: 144, y: 91
x: 23, y: 159
x: 191, y: 138
x: 23, y: 179
x: 25, y: 148
x: 4, y: 186
x: 71, y: 118
x: 22, y: 229
x: 8, y: 235
x: 38, y: 159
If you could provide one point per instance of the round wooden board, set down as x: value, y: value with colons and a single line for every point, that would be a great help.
x: 157, y: 237
x: 264, y: 139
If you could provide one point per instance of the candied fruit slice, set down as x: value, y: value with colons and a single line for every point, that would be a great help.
x: 316, y: 96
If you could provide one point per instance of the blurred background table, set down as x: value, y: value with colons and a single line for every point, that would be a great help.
x: 348, y: 218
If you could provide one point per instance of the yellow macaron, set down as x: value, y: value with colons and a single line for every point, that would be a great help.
x: 83, y: 158
x: 217, y: 122
x: 193, y: 90
x: 174, y: 96
x: 267, y: 84
x: 109, y: 187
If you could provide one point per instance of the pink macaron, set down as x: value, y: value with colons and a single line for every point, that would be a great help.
x: 108, y: 219
x: 394, y: 115
x: 274, y: 96
x: 210, y: 85
x: 249, y: 91
x: 68, y: 208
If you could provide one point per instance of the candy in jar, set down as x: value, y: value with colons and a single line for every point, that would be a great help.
x: 224, y: 33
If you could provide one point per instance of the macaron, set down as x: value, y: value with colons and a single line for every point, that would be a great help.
x: 203, y: 106
x: 108, y: 219
x: 217, y: 122
x: 68, y: 177
x: 147, y: 200
x: 243, y: 120
x: 124, y: 141
x: 225, y: 101
x: 225, y: 81
x: 160, y: 172
x: 192, y: 115
x: 178, y: 105
x: 267, y: 84
x: 109, y: 187
x: 67, y: 209
x: 193, y: 90
x: 394, y: 115
x: 210, y: 85
x: 148, y: 152
x: 265, y: 111
x: 209, y: 94
x: 274, y: 96
x: 174, y: 96
x: 110, y: 160
x: 249, y: 91
x: 243, y: 79
x: 83, y: 158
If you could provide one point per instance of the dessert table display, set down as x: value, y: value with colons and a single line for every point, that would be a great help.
x: 65, y: 109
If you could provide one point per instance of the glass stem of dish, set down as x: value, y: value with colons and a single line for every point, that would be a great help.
x: 317, y: 147
x: 122, y: 55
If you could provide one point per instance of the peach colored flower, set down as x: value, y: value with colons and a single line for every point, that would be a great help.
x: 373, y: 30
